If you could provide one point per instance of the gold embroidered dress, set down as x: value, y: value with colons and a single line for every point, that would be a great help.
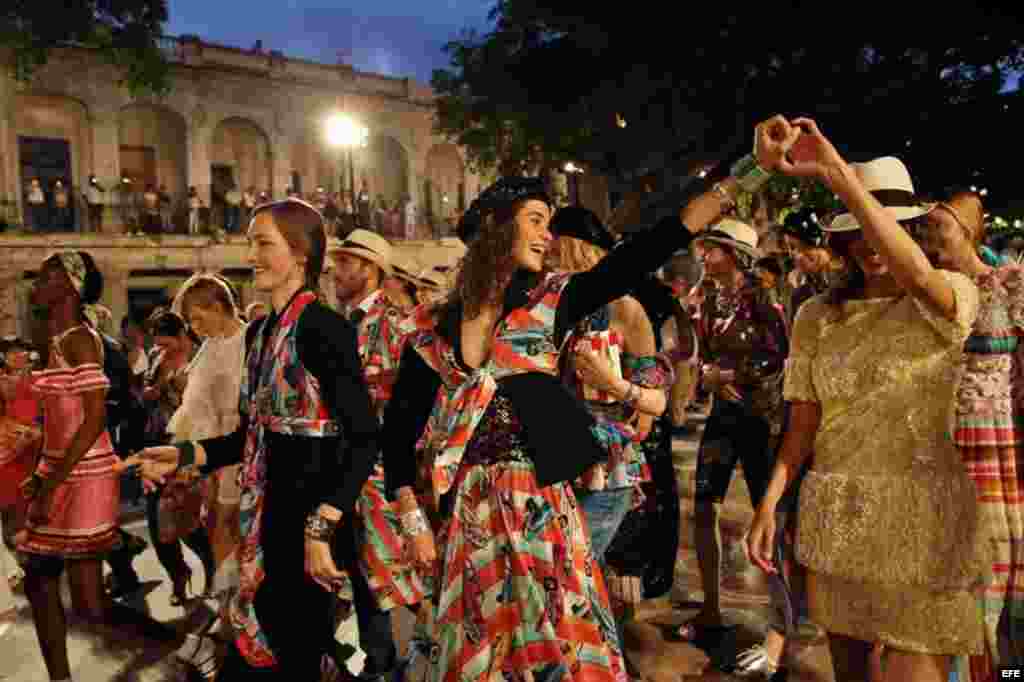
x: 888, y: 521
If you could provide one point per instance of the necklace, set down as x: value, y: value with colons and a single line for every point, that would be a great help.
x: 728, y: 302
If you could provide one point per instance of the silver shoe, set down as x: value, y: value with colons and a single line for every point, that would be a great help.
x: 754, y: 662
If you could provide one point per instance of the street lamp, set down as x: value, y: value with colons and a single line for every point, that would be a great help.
x: 344, y: 133
x: 572, y: 170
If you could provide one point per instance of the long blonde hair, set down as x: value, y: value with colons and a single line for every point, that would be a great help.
x: 576, y: 255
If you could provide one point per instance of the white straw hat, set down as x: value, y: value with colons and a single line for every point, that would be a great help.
x: 367, y: 245
x: 733, y: 233
x: 888, y: 179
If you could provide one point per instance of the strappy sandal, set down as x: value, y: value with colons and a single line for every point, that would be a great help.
x: 203, y: 660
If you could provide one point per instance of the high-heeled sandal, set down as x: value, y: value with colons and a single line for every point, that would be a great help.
x: 201, y: 657
x: 182, y: 589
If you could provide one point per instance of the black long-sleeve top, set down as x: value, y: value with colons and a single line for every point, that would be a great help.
x: 319, y: 470
x: 554, y: 422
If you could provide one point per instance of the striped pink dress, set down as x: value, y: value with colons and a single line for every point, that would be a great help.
x: 81, y: 521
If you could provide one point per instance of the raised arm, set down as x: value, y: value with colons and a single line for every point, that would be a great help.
x: 814, y: 156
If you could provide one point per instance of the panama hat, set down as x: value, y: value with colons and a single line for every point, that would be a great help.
x: 888, y: 180
x: 368, y: 246
x: 432, y: 279
x: 733, y: 233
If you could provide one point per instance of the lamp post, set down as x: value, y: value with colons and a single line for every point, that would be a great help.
x: 344, y: 133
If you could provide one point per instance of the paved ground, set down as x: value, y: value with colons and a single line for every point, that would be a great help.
x: 97, y: 657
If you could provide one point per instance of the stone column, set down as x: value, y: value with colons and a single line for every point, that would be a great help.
x: 106, y: 155
x: 115, y: 293
x: 10, y: 277
x: 282, y: 166
x: 8, y: 149
x: 199, y: 139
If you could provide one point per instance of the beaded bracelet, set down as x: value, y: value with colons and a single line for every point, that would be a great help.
x: 414, y: 523
x: 320, y: 528
x: 749, y: 174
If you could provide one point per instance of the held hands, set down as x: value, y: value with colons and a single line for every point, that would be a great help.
x: 761, y: 538
x: 155, y: 465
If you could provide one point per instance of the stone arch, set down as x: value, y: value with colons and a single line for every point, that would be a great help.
x: 386, y: 168
x: 444, y: 187
x: 153, y: 142
x: 42, y: 124
x: 244, y: 147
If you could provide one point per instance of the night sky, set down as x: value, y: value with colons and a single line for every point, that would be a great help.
x: 392, y: 37
x: 401, y: 38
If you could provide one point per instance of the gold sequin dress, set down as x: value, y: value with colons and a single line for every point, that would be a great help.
x: 888, y: 521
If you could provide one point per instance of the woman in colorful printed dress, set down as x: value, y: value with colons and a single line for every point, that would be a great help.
x: 307, y: 442
x: 988, y: 417
x: 521, y: 592
x: 888, y: 524
x: 73, y: 492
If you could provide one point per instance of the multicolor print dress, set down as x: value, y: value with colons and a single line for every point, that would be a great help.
x: 518, y: 588
x: 393, y: 580
x: 81, y: 522
x: 988, y: 432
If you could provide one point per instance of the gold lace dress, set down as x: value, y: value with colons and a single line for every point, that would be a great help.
x: 888, y: 521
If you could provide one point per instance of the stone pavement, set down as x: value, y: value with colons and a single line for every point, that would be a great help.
x: 123, y: 658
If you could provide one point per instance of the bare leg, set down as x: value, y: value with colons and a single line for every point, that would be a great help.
x: 88, y: 600
x: 708, y: 541
x: 42, y: 587
x: 850, y: 659
x: 902, y: 665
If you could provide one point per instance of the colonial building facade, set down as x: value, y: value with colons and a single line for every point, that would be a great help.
x: 233, y: 118
x: 243, y: 117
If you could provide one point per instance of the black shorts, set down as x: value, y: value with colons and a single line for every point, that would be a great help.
x: 732, y: 434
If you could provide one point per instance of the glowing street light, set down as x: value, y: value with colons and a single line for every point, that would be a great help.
x: 571, y: 167
x: 345, y: 133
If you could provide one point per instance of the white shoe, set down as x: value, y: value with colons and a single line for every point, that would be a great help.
x: 754, y: 662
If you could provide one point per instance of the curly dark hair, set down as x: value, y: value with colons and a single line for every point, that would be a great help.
x: 488, y: 265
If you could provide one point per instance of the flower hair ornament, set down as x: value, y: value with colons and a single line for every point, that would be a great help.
x: 77, y: 271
